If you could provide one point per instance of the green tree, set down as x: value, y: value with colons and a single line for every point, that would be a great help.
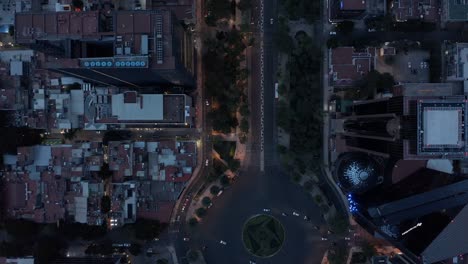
x: 244, y: 125
x: 318, y: 199
x: 368, y: 250
x: 244, y: 5
x: 346, y: 26
x: 338, y: 255
x: 21, y: 228
x: 234, y: 164
x: 78, y: 4
x: 200, y: 212
x: 192, y: 255
x: 193, y: 222
x: 339, y: 224
x: 244, y: 110
x: 243, y: 74
x: 162, y: 261
x: 211, y: 177
x: 214, y: 190
x: 47, y: 249
x: 332, y: 43
x: 219, y: 8
x: 105, y: 204
x: 296, y: 9
x: 283, y: 40
x: 11, y: 30
x: 206, y: 201
x: 308, y: 185
x: 296, y: 177
x: 103, y: 248
x: 224, y: 180
x: 135, y: 249
x: 147, y: 229
x: 105, y: 173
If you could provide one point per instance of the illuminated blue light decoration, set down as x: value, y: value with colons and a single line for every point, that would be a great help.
x: 352, y: 204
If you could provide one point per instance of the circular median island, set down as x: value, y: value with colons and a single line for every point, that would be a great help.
x: 263, y: 235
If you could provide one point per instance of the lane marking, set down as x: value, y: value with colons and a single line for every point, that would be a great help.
x: 262, y: 99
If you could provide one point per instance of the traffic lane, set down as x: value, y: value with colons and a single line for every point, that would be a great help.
x: 225, y: 220
x: 302, y: 243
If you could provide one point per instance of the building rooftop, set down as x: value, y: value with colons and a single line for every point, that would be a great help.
x: 427, y: 10
x: 349, y: 65
x: 456, y: 10
x: 451, y: 242
x: 127, y: 34
x: 441, y: 126
x: 129, y: 107
x: 353, y: 4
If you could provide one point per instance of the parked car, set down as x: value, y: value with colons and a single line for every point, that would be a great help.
x: 295, y: 213
x: 332, y: 33
x: 222, y: 242
x: 266, y: 210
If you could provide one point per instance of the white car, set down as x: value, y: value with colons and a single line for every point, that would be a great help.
x: 207, y: 103
x: 324, y: 238
x: 347, y: 238
x: 186, y: 239
x: 252, y: 262
x: 222, y: 242
x: 409, y: 64
x: 271, y: 21
x: 332, y: 33
x: 206, y: 162
x: 266, y: 210
x: 295, y: 213
x: 183, y: 208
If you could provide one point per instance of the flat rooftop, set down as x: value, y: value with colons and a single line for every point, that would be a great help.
x: 141, y: 33
x: 441, y: 126
x: 131, y: 107
x: 457, y: 10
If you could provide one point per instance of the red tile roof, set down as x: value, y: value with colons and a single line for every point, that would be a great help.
x: 348, y: 66
x: 163, y: 212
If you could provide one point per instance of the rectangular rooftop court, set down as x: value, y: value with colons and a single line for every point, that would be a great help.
x: 441, y: 127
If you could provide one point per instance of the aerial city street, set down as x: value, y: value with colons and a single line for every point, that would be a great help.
x: 233, y: 131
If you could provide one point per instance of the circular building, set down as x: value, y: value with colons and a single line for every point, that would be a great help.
x: 358, y: 172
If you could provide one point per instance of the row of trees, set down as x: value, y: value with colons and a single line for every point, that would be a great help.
x: 225, y: 79
x: 306, y: 9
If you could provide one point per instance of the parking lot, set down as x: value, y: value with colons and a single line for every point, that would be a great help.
x: 410, y: 67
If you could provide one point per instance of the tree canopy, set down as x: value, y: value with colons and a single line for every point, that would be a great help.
x: 307, y: 9
x: 105, y: 204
